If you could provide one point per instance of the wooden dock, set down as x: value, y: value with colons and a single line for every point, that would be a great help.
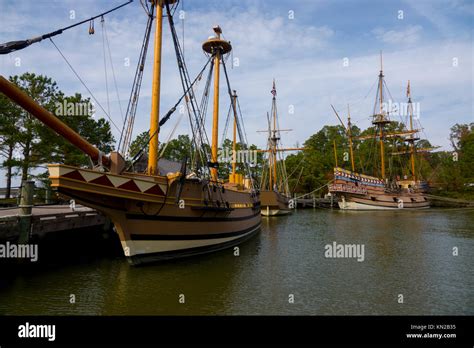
x: 445, y: 202
x: 326, y: 202
x: 49, y: 218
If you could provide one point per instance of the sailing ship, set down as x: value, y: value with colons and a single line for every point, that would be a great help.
x: 158, y: 216
x: 365, y: 192
x: 275, y: 194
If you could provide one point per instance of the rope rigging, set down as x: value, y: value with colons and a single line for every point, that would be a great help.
x: 105, y: 64
x: 12, y: 46
x: 84, y: 84
x: 200, y: 138
x: 127, y: 129
x: 239, y: 125
x: 112, y: 68
x: 169, y: 113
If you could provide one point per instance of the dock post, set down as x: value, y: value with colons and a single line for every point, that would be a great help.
x: 296, y: 202
x: 47, y: 196
x: 332, y: 201
x: 26, y: 205
x: 314, y: 201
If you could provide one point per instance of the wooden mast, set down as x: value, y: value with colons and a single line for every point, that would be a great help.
x: 270, y: 156
x: 215, y: 114
x: 234, y: 142
x: 155, y: 96
x: 381, y: 125
x: 349, y: 133
x: 19, y: 97
x: 273, y: 149
x: 411, y: 139
x: 216, y: 47
x: 274, y: 138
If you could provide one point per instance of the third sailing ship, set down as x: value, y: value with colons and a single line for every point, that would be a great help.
x: 364, y: 192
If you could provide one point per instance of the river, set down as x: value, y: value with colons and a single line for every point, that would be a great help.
x: 283, y: 270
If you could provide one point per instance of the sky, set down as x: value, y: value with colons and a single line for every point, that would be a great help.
x: 319, y: 53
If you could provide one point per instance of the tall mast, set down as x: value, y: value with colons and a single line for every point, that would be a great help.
x: 274, y: 136
x: 412, y: 138
x: 215, y: 119
x: 234, y: 142
x: 216, y: 47
x: 349, y: 133
x: 382, y: 156
x: 273, y: 133
x: 380, y: 119
x: 155, y: 95
x: 270, y: 156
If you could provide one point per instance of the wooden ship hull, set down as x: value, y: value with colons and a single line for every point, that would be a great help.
x: 158, y: 216
x: 362, y: 192
x: 143, y: 211
x: 274, y: 203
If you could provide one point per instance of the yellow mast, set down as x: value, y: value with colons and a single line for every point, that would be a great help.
x: 217, y: 47
x: 270, y: 156
x: 349, y: 133
x: 335, y: 152
x: 155, y: 97
x: 412, y: 142
x: 215, y: 119
x: 234, y: 143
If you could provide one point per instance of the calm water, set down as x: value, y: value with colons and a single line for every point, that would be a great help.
x: 407, y: 253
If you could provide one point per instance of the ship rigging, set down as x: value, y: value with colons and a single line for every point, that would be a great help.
x: 162, y: 215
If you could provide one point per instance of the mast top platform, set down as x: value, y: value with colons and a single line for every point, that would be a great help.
x: 163, y: 2
x: 216, y: 44
x: 380, y: 119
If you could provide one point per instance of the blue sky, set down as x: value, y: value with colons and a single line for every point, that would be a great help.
x: 302, y: 44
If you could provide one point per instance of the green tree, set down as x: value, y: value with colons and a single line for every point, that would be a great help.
x: 8, y: 138
x: 466, y: 160
x: 177, y: 149
x: 140, y: 142
x: 46, y: 93
x: 55, y: 149
x: 37, y: 144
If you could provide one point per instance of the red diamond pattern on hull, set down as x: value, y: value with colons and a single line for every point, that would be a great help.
x: 103, y: 180
x: 74, y: 175
x: 155, y: 190
x: 130, y: 185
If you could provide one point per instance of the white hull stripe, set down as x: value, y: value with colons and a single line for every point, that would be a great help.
x: 359, y: 206
x: 143, y: 247
x: 273, y: 212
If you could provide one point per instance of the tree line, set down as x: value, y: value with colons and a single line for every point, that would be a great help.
x: 448, y: 172
x: 27, y: 146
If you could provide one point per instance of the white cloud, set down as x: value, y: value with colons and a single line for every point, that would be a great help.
x: 408, y: 36
x: 268, y: 46
x: 441, y: 13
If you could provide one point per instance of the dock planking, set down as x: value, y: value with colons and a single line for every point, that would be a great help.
x: 49, y: 218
